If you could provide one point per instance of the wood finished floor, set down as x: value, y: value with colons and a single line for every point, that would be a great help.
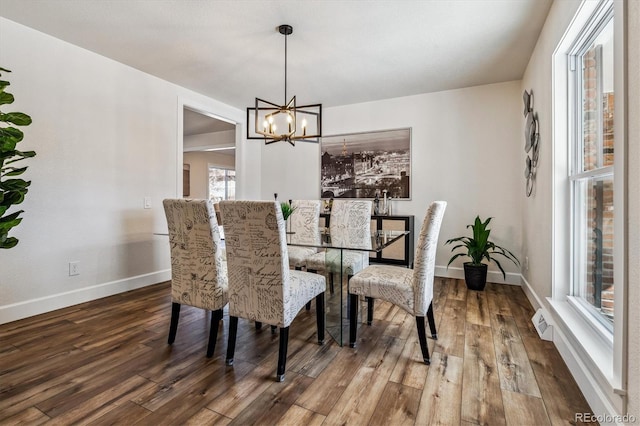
x: 108, y: 362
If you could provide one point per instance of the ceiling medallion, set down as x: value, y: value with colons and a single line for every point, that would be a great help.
x: 274, y: 123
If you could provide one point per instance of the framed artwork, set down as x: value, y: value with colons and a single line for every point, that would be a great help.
x: 361, y: 165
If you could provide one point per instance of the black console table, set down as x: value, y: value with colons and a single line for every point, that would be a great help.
x: 396, y: 254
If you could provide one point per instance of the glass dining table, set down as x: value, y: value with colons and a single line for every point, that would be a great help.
x: 335, y: 247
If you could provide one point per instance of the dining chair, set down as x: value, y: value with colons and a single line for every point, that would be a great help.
x: 198, y: 266
x: 350, y: 223
x: 262, y: 288
x: 410, y: 289
x: 305, y: 222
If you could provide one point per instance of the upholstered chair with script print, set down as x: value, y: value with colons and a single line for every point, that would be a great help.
x: 349, y: 226
x: 262, y: 288
x: 198, y: 266
x: 305, y: 222
x: 410, y: 289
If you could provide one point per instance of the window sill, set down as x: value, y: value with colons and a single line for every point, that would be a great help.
x: 592, y: 348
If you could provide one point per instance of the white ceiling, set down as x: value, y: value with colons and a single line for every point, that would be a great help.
x: 340, y: 52
x: 195, y: 123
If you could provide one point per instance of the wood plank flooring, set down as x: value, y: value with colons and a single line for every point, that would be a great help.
x: 108, y: 362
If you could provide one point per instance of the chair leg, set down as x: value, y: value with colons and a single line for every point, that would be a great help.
x: 432, y: 322
x: 370, y: 302
x: 308, y: 305
x: 331, y: 282
x: 216, y: 316
x: 353, y: 319
x: 422, y: 336
x: 173, y: 327
x: 273, y: 329
x: 320, y: 317
x: 282, y: 353
x: 231, y: 345
x: 348, y: 299
x: 258, y: 325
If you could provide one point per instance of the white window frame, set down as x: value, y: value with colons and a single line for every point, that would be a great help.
x: 599, y: 21
x: 587, y: 346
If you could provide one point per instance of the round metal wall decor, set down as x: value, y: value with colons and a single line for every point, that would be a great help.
x: 531, y: 139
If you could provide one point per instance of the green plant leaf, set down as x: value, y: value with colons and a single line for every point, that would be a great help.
x: 4, y: 84
x: 11, y: 133
x: 17, y: 118
x: 479, y: 247
x: 14, y: 184
x: 8, y: 243
x: 10, y: 198
x: 13, y: 171
x: 8, y: 222
x: 5, y: 157
x: 6, y: 98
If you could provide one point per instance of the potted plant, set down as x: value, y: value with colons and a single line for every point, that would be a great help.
x: 287, y: 210
x: 479, y: 248
x: 12, y: 189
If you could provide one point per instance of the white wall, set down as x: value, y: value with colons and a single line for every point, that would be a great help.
x: 466, y: 148
x: 106, y: 137
x: 199, y: 162
x: 537, y: 211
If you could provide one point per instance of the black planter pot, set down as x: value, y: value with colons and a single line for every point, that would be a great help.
x: 475, y: 276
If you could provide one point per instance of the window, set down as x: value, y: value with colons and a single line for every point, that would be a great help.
x: 591, y: 174
x: 222, y: 184
x: 589, y: 299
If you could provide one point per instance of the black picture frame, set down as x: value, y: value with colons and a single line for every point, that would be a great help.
x: 361, y: 165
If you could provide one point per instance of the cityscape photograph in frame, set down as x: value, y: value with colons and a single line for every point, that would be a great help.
x: 361, y: 165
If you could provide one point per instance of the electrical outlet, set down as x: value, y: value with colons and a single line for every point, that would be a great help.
x: 147, y: 202
x: 74, y: 268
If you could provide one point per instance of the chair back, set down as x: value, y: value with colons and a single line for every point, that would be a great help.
x: 198, y: 267
x: 305, y: 221
x: 257, y: 260
x: 425, y: 259
x: 350, y: 223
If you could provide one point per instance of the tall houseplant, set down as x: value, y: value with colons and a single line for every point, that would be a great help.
x: 479, y: 248
x: 12, y: 189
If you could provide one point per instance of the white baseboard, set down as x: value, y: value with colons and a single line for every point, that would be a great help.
x: 492, y: 276
x: 535, y: 301
x: 41, y: 305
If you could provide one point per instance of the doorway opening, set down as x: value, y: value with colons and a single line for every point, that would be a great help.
x: 209, y: 155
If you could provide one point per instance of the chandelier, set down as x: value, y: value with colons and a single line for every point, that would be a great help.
x: 275, y: 123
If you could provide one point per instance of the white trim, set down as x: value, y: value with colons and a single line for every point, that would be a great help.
x: 213, y: 112
x: 492, y: 276
x: 585, y: 363
x: 535, y: 301
x: 50, y: 303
